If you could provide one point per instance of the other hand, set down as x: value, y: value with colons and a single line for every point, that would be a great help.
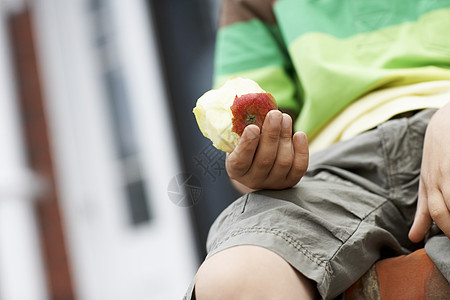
x: 434, y: 187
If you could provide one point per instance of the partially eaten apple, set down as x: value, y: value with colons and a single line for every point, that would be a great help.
x: 222, y: 114
x: 251, y: 108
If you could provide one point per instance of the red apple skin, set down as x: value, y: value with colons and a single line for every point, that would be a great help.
x: 251, y: 108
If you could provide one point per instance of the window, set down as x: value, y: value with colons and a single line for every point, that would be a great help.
x: 126, y: 146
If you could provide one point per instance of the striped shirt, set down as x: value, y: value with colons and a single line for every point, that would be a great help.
x: 317, y: 57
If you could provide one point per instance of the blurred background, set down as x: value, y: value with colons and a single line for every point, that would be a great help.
x: 107, y: 187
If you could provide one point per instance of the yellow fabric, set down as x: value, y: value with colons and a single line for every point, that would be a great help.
x: 378, y: 107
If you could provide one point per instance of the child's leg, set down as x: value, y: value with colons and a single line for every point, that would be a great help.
x: 250, y: 272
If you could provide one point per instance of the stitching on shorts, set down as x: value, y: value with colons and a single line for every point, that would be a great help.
x: 319, y: 260
x: 356, y: 229
x: 392, y: 166
x: 386, y: 161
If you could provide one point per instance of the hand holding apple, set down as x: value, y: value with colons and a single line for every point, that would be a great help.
x: 242, y: 119
x: 270, y: 158
x: 222, y: 114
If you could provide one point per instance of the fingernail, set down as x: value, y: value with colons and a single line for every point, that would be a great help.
x: 275, y: 116
x: 301, y: 138
x: 286, y: 123
x: 251, y: 132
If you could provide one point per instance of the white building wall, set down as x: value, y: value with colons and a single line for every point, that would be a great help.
x: 22, y: 275
x: 111, y: 259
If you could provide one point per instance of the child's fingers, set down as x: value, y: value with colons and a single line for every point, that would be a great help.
x: 445, y: 189
x: 422, y: 219
x: 267, y: 147
x: 284, y: 157
x: 438, y: 211
x: 301, y: 158
x: 240, y: 160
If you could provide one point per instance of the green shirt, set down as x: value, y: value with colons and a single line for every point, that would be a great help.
x: 318, y: 56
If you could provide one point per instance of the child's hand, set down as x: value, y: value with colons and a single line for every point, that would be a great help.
x: 434, y: 189
x: 267, y: 160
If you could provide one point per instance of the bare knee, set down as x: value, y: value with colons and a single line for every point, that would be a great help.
x: 250, y: 272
